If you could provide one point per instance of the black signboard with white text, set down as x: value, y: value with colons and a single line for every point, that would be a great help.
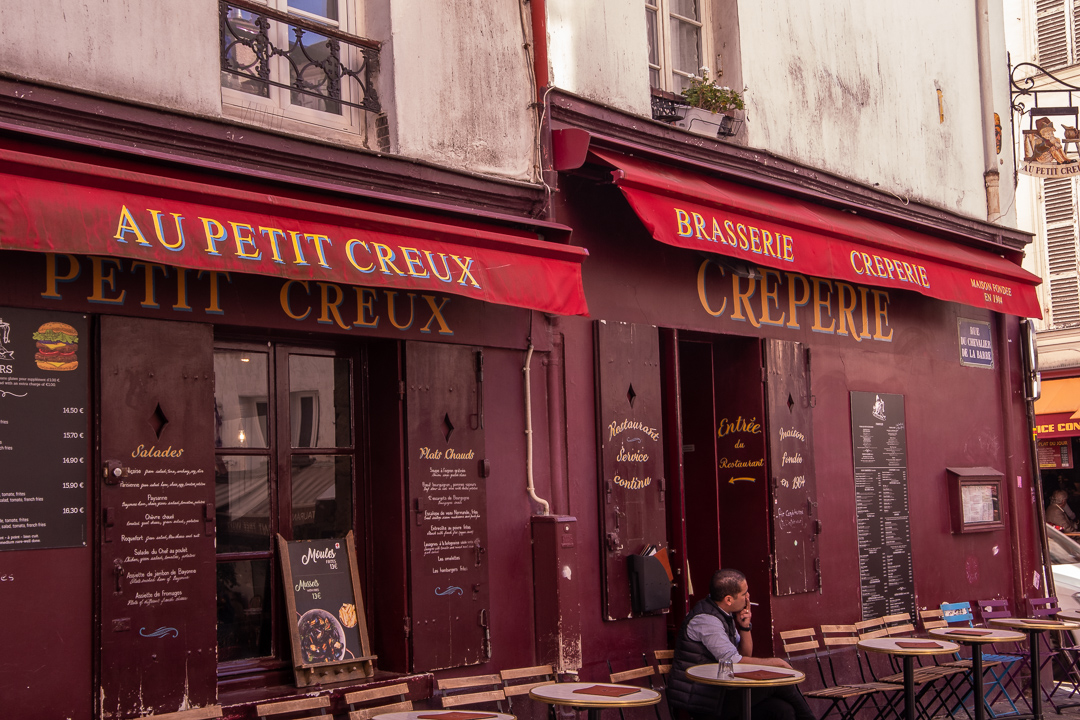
x: 328, y: 624
x: 44, y: 429
x: 881, y: 504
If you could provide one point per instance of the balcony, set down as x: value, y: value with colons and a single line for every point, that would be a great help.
x: 299, y: 61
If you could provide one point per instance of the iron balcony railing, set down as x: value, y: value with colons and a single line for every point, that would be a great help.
x: 322, y: 67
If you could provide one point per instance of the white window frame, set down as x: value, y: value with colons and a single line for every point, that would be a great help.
x: 664, y: 13
x: 279, y: 103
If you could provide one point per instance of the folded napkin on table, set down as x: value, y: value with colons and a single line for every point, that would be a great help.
x: 913, y: 644
x: 970, y: 632
x: 456, y: 715
x: 606, y: 691
x: 761, y: 675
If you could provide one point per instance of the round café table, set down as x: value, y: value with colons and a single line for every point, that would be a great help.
x: 707, y: 674
x: 1071, y: 615
x: 893, y: 646
x: 976, y: 638
x: 1034, y: 627
x: 577, y: 696
x: 448, y: 714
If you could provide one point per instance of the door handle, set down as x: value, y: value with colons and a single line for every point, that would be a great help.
x: 119, y: 572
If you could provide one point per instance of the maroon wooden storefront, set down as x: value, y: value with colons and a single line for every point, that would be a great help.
x: 488, y: 537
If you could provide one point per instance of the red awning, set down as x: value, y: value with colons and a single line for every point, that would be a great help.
x: 698, y: 212
x: 54, y: 205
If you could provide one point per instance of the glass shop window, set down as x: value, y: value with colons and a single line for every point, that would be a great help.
x: 285, y: 463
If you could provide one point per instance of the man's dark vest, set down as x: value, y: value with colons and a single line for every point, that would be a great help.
x: 697, y: 698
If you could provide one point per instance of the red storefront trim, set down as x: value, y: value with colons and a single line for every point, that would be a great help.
x: 56, y: 205
x: 1056, y: 425
x: 698, y: 212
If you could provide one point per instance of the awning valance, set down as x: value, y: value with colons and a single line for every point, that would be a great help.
x: 1057, y: 411
x: 50, y: 204
x: 695, y: 211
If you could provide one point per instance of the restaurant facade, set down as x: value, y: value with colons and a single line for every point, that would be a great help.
x: 523, y: 423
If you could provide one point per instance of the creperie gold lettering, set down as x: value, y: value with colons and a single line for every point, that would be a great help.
x: 791, y: 300
x: 743, y: 236
x: 218, y: 237
x: 887, y: 268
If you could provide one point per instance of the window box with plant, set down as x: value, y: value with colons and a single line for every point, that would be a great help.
x: 710, y: 108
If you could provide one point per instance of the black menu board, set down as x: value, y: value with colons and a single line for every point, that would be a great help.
x: 323, y: 597
x: 881, y: 504
x: 44, y: 429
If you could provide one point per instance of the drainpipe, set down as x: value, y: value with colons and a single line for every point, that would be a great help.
x: 556, y: 383
x: 538, y: 11
x: 529, y: 436
x: 991, y: 176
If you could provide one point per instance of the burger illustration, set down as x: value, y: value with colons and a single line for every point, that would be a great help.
x: 57, y: 344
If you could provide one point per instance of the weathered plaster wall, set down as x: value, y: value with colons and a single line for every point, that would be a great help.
x: 598, y: 50
x: 851, y: 87
x: 155, y: 53
x: 463, y: 85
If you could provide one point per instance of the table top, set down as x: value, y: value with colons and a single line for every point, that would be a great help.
x: 707, y: 674
x: 987, y: 635
x: 564, y: 694
x: 1073, y: 615
x: 1036, y: 624
x: 889, y: 646
x: 417, y: 714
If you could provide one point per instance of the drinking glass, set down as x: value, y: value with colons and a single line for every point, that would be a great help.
x: 726, y: 670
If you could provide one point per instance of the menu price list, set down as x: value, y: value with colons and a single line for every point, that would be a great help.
x: 44, y: 429
x: 883, y: 524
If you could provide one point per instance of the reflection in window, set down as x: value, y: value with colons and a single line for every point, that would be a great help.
x: 321, y: 496
x: 320, y: 395
x: 243, y: 599
x: 243, y: 503
x: 240, y: 393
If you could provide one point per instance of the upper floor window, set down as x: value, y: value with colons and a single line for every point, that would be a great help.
x: 297, y: 58
x: 1057, y: 23
x: 678, y: 41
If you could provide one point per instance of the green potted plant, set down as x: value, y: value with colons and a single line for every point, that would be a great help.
x: 710, y: 107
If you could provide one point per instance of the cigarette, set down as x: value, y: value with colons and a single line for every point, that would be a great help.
x: 754, y: 604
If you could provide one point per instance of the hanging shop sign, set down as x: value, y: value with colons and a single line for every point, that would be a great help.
x: 1044, y: 154
x: 44, y: 429
x: 50, y: 205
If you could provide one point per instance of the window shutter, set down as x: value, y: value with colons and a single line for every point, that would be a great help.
x: 1059, y: 215
x: 1052, y: 39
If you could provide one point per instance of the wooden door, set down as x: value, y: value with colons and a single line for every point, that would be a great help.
x: 632, y: 483
x: 789, y: 404
x: 156, y: 531
x: 447, y: 464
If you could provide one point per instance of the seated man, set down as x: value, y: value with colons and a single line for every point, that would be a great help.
x: 1057, y: 512
x: 718, y: 629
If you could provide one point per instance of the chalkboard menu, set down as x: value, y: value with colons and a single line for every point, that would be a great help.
x: 44, y: 429
x: 881, y: 504
x: 329, y: 629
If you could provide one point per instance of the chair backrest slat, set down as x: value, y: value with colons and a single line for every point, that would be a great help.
x: 1043, y: 607
x: 376, y: 693
x: 467, y: 682
x: 931, y: 619
x: 291, y: 706
x: 472, y: 698
x: 632, y: 674
x: 518, y: 673
x: 989, y: 609
x: 367, y: 713
x: 958, y: 613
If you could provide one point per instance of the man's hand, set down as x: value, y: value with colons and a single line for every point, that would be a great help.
x: 771, y: 662
x: 742, y: 618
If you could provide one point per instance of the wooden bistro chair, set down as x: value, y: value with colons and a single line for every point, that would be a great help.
x: 291, y: 709
x: 362, y: 697
x: 663, y: 660
x: 1059, y: 650
x: 519, y: 681
x: 466, y: 691
x: 927, y: 677
x: 203, y: 713
x: 644, y: 676
x: 800, y: 645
